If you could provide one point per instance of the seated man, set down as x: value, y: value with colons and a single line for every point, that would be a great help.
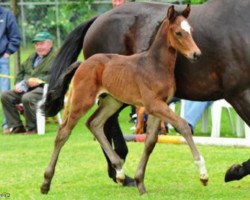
x: 34, y: 72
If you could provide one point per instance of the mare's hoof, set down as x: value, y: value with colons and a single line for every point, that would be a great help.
x: 235, y: 172
x: 44, y: 189
x: 129, y: 182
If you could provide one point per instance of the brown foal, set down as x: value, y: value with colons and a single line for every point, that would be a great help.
x: 145, y: 79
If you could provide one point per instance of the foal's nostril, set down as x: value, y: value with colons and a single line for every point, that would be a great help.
x: 196, y: 56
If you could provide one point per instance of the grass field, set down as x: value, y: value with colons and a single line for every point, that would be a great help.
x: 81, y: 170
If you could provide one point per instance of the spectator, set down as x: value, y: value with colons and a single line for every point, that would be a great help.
x: 193, y: 111
x: 34, y: 72
x: 9, y: 44
x: 117, y: 3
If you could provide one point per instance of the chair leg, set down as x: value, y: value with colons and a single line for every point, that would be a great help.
x: 204, y: 127
x: 40, y: 122
x: 230, y: 120
x: 247, y: 132
x: 239, y: 126
x: 216, y: 119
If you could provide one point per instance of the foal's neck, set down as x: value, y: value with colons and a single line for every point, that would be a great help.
x: 161, y: 50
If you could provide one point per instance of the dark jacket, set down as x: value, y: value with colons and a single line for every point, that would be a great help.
x: 41, y: 71
x: 9, y: 33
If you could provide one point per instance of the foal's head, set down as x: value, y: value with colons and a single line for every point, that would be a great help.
x: 180, y: 33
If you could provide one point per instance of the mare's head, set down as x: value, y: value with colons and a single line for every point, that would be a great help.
x: 180, y: 33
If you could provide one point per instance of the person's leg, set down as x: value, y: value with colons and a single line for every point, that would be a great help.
x: 4, y: 82
x: 193, y: 111
x: 9, y: 100
x: 29, y: 101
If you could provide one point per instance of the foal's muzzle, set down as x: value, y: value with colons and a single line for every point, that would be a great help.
x: 196, y: 56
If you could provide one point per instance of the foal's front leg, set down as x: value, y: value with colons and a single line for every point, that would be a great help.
x: 151, y: 139
x: 161, y: 110
x: 108, y: 106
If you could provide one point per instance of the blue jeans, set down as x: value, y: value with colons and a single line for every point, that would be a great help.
x: 4, y: 82
x: 193, y: 110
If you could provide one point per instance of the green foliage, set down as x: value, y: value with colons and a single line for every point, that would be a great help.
x: 41, y: 17
x: 194, y: 1
x: 72, y: 15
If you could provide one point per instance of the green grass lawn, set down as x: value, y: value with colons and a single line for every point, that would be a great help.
x: 81, y: 170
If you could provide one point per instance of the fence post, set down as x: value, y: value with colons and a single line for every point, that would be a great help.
x: 17, y: 54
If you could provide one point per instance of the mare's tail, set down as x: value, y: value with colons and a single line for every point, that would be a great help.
x: 67, y: 55
x: 55, y: 101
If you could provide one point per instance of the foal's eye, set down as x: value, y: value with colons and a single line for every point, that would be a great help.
x: 178, y: 34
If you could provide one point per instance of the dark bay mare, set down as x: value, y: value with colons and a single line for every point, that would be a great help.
x: 222, y: 31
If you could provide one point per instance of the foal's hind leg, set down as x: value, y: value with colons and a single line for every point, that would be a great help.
x: 108, y: 106
x: 161, y: 110
x: 151, y: 139
x: 77, y: 110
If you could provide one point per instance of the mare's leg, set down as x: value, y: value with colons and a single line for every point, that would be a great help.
x: 114, y: 135
x: 151, y: 139
x: 161, y: 110
x: 241, y: 104
x: 108, y: 106
x: 79, y: 106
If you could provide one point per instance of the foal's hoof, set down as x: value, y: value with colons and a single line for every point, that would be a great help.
x: 44, y: 189
x: 129, y: 182
x: 235, y: 172
x: 204, y: 179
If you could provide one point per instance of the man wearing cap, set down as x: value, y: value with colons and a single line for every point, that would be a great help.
x: 28, y: 90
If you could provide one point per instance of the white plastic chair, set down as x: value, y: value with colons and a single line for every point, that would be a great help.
x: 40, y: 118
x: 216, y: 112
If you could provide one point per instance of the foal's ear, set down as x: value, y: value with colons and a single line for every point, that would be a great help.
x: 185, y: 13
x: 171, y: 13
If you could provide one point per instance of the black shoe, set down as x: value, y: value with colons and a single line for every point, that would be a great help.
x: 31, y: 131
x: 19, y: 129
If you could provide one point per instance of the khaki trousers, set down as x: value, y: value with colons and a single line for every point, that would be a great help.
x: 29, y: 100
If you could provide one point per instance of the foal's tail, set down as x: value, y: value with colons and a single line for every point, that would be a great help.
x: 55, y: 101
x: 67, y: 55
